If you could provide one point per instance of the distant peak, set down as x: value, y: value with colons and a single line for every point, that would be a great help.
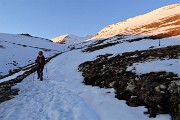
x: 70, y: 39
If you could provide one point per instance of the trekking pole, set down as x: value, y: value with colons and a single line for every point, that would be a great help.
x: 46, y: 71
x: 33, y: 76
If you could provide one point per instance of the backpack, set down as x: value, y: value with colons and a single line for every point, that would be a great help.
x: 40, y: 61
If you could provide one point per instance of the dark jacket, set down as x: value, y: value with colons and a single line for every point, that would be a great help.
x: 40, y: 60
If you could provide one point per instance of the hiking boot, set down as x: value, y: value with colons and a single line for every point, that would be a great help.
x: 41, y: 79
x: 41, y: 76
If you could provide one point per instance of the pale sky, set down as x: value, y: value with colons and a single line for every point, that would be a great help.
x: 52, y: 18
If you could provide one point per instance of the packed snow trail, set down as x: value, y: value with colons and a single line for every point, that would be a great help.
x: 63, y: 96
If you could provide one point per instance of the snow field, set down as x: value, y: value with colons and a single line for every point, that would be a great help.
x: 172, y: 65
x: 63, y: 96
x: 22, y: 50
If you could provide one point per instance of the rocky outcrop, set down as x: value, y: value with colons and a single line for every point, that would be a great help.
x: 158, y: 91
x: 118, y: 39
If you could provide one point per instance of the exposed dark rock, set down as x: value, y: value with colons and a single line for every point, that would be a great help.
x: 26, y: 34
x: 158, y: 91
x: 8, y: 94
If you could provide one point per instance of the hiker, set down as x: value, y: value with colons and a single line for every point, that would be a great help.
x: 40, y: 62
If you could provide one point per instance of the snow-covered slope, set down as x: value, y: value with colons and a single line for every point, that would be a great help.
x: 164, y: 20
x: 70, y: 39
x: 108, y: 62
x: 18, y: 50
x: 63, y: 96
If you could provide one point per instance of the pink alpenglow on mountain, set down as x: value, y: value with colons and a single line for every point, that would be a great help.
x: 165, y: 20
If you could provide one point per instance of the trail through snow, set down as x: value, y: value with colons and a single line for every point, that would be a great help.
x: 63, y: 96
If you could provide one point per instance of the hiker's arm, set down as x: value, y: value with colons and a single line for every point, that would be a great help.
x: 36, y: 61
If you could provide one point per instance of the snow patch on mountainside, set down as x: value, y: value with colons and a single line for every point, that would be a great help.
x: 172, y: 65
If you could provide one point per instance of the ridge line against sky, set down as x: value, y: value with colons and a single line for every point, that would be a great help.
x: 52, y: 18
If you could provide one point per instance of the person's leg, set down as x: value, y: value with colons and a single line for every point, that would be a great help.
x: 41, y: 73
x: 38, y: 72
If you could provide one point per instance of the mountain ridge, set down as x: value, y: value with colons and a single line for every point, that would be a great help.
x: 158, y: 21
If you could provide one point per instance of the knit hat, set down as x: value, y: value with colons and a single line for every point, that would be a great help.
x: 40, y: 53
